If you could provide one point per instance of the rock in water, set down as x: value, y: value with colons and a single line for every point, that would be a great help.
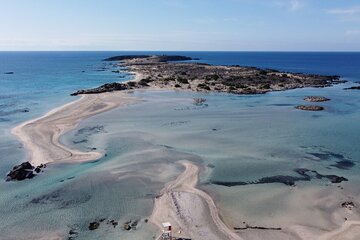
x: 127, y: 226
x: 21, y: 172
x: 94, y: 225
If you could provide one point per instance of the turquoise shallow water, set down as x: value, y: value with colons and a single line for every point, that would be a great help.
x: 237, y: 138
x: 234, y: 138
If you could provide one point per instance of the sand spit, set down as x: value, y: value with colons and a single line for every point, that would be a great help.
x: 41, y: 136
x: 192, y: 212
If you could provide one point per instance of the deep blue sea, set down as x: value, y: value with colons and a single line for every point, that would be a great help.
x: 255, y: 136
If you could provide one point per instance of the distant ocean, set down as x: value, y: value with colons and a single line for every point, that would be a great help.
x: 243, y: 138
x: 43, y: 80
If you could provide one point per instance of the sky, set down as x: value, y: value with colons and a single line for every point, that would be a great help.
x: 194, y: 25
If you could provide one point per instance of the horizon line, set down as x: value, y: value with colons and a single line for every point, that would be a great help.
x: 295, y: 51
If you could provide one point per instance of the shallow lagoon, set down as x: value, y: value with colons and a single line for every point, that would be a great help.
x: 234, y: 138
x: 237, y: 138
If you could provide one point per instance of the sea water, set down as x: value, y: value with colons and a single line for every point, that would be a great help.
x: 234, y: 138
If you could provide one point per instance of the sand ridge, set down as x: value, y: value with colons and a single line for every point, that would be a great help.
x: 181, y: 203
x: 40, y: 136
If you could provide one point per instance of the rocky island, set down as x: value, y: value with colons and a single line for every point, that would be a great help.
x: 178, y: 72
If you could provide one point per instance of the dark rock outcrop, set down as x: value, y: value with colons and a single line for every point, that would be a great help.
x: 94, y: 225
x: 24, y: 171
x: 199, y: 101
x: 108, y: 87
x: 21, y: 172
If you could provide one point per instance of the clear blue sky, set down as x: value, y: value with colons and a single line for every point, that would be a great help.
x: 242, y: 25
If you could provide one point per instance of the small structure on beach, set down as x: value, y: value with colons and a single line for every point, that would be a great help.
x: 167, y: 231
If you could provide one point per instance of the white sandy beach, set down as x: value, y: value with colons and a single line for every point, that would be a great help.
x: 41, y: 136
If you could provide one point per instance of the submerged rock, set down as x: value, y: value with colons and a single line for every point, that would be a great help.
x: 310, y: 107
x: 316, y: 99
x: 199, y: 101
x: 335, y: 179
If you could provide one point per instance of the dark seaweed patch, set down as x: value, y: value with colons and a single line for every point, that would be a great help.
x: 327, y: 155
x: 7, y: 113
x: 174, y: 124
x: 343, y: 164
x: 4, y: 120
x: 321, y: 156
x: 91, y: 130
x: 287, y: 180
x: 229, y: 184
x: 306, y: 175
x: 80, y: 141
x: 61, y: 199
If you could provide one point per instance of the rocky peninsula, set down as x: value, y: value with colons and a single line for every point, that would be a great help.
x: 179, y: 72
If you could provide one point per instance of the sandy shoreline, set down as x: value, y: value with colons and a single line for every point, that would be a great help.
x: 40, y: 136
